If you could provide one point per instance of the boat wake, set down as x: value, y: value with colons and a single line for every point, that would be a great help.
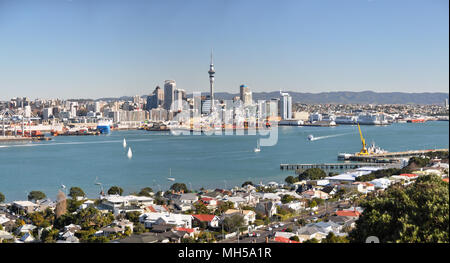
x: 312, y: 138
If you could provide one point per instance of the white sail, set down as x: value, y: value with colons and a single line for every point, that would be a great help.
x: 129, y: 154
x: 124, y: 143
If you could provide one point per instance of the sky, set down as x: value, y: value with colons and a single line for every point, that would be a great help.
x: 95, y: 48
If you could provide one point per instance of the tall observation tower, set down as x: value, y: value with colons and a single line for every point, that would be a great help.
x: 211, y: 73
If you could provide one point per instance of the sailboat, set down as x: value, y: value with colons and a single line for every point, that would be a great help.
x: 258, y: 148
x: 124, y: 143
x: 129, y: 154
x: 170, y: 174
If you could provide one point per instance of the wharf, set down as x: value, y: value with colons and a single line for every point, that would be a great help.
x: 334, y: 166
x: 21, y: 139
x: 391, y: 157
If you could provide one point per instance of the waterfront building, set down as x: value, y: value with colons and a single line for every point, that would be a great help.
x: 47, y: 113
x: 286, y: 106
x: 169, y: 90
x: 245, y: 94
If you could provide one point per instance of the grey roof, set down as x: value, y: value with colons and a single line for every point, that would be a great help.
x: 142, y: 238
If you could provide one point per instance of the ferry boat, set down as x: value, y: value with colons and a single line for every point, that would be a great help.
x: 346, y: 119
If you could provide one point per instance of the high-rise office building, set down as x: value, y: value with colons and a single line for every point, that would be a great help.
x: 169, y: 89
x: 156, y: 99
x: 286, y: 106
x: 245, y: 94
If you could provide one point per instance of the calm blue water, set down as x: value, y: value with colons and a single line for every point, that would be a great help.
x: 208, y: 161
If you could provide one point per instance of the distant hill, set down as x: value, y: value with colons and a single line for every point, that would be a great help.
x: 339, y: 97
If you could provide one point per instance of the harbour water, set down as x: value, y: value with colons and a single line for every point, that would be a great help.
x: 197, y: 161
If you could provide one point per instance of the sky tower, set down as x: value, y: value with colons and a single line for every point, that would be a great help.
x: 211, y: 73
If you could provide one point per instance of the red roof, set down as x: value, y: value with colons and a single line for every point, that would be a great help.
x: 445, y: 179
x: 285, y: 240
x: 204, y: 217
x: 409, y: 175
x: 348, y: 213
x: 189, y: 230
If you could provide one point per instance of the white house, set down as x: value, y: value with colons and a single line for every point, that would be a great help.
x: 166, y: 218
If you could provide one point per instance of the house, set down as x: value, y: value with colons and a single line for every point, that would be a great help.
x: 381, y: 183
x: 25, y: 229
x: 309, y: 232
x: 269, y: 196
x: 209, y: 202
x: 284, y: 240
x: 182, y: 206
x: 236, y: 200
x: 188, y: 198
x: 327, y: 227
x: 189, y: 231
x: 70, y: 239
x: 5, y: 236
x: 157, y: 208
x: 344, y: 221
x: 179, y: 220
x: 117, y: 202
x: 284, y: 234
x: 27, y: 238
x: 26, y: 206
x: 349, y: 213
x: 266, y: 208
x: 330, y: 190
x: 310, y: 194
x: 211, y: 220
x: 4, y: 219
x: 363, y: 187
x: 295, y: 205
x: 249, y: 215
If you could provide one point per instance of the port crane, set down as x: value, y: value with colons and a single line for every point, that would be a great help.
x: 364, y: 150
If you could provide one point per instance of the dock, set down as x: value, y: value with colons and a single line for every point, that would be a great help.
x: 334, y: 166
x: 391, y: 157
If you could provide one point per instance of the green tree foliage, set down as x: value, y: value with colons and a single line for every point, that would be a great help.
x: 312, y: 174
x: 200, y: 208
x: 146, y: 191
x: 247, y: 183
x: 291, y: 179
x: 223, y: 207
x: 49, y: 236
x: 287, y: 199
x: 312, y: 240
x: 332, y: 238
x: 36, y: 195
x: 233, y: 223
x: 73, y: 205
x: 178, y: 187
x: 76, y: 191
x: 133, y: 216
x: 382, y: 173
x: 419, y: 161
x: 138, y: 228
x: 416, y: 213
x: 115, y: 190
x: 2, y: 198
x: 294, y: 238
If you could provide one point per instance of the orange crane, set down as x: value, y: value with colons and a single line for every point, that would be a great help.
x: 364, y: 150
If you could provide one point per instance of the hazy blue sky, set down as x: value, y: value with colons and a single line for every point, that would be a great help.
x: 94, y: 48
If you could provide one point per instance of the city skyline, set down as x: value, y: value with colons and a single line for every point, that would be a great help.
x: 75, y: 49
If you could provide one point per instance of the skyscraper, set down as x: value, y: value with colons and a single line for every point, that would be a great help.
x: 156, y: 99
x: 286, y: 106
x: 211, y: 73
x: 169, y: 89
x: 245, y: 94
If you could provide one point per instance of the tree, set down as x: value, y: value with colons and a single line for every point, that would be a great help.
x: 61, y: 206
x: 75, y: 192
x: 146, y: 191
x: 312, y: 240
x: 418, y: 161
x: 247, y: 183
x: 200, y: 208
x: 223, y: 207
x: 233, y: 223
x: 2, y: 198
x: 332, y: 238
x: 115, y: 190
x: 313, y: 203
x: 418, y: 212
x: 312, y: 174
x: 291, y: 179
x: 179, y: 187
x: 294, y: 238
x: 36, y: 195
x: 133, y: 216
x: 287, y: 199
